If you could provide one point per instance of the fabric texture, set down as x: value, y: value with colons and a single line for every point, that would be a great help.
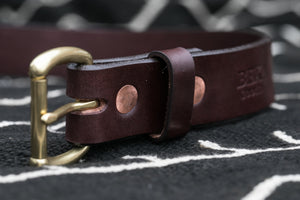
x: 256, y: 157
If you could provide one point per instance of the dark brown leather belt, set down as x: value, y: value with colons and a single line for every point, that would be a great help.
x: 232, y: 72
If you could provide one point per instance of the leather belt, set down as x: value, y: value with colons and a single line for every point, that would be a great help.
x: 192, y: 78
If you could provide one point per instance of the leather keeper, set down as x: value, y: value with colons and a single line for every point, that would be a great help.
x: 181, y: 80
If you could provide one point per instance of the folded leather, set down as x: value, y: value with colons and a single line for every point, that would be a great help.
x: 236, y: 69
x: 181, y: 81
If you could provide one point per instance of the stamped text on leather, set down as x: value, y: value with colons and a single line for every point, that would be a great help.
x: 250, y: 82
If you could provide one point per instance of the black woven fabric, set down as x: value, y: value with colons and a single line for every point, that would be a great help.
x: 136, y: 168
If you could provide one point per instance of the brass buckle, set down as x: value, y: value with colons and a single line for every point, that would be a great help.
x: 38, y: 72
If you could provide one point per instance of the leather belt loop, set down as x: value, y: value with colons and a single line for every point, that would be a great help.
x: 181, y: 82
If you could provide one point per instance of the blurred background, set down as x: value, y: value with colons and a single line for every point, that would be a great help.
x: 278, y: 18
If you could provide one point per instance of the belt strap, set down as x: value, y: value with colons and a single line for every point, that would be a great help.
x: 234, y: 67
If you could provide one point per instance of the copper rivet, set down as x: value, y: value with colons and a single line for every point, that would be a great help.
x: 126, y: 98
x: 199, y: 89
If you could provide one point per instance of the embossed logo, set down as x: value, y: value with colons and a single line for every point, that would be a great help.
x: 250, y: 82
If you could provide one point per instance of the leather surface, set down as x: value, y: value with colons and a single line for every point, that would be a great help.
x: 236, y: 68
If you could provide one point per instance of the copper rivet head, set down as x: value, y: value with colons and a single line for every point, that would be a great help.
x: 126, y: 98
x: 199, y: 89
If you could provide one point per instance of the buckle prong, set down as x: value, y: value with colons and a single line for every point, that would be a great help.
x: 51, y: 117
x: 38, y: 72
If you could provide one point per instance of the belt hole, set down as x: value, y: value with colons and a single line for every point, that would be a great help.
x: 199, y: 89
x: 126, y: 99
x: 92, y: 111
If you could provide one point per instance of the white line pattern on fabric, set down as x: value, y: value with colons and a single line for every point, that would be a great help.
x: 56, y: 127
x: 9, y: 82
x: 26, y: 11
x: 291, y: 33
x: 226, y: 17
x: 15, y: 102
x: 286, y: 138
x: 149, y: 12
x: 278, y: 106
x: 287, y: 96
x: 26, y: 100
x: 264, y: 189
x: 52, y: 129
x: 286, y: 78
x: 151, y: 162
x: 278, y: 48
x: 14, y: 123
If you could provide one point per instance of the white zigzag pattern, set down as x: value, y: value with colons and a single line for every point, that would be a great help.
x: 286, y: 78
x: 264, y: 189
x: 52, y: 128
x: 226, y: 18
x: 150, y: 162
x: 26, y: 100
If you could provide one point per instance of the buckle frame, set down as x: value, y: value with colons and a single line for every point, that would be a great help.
x: 38, y: 71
